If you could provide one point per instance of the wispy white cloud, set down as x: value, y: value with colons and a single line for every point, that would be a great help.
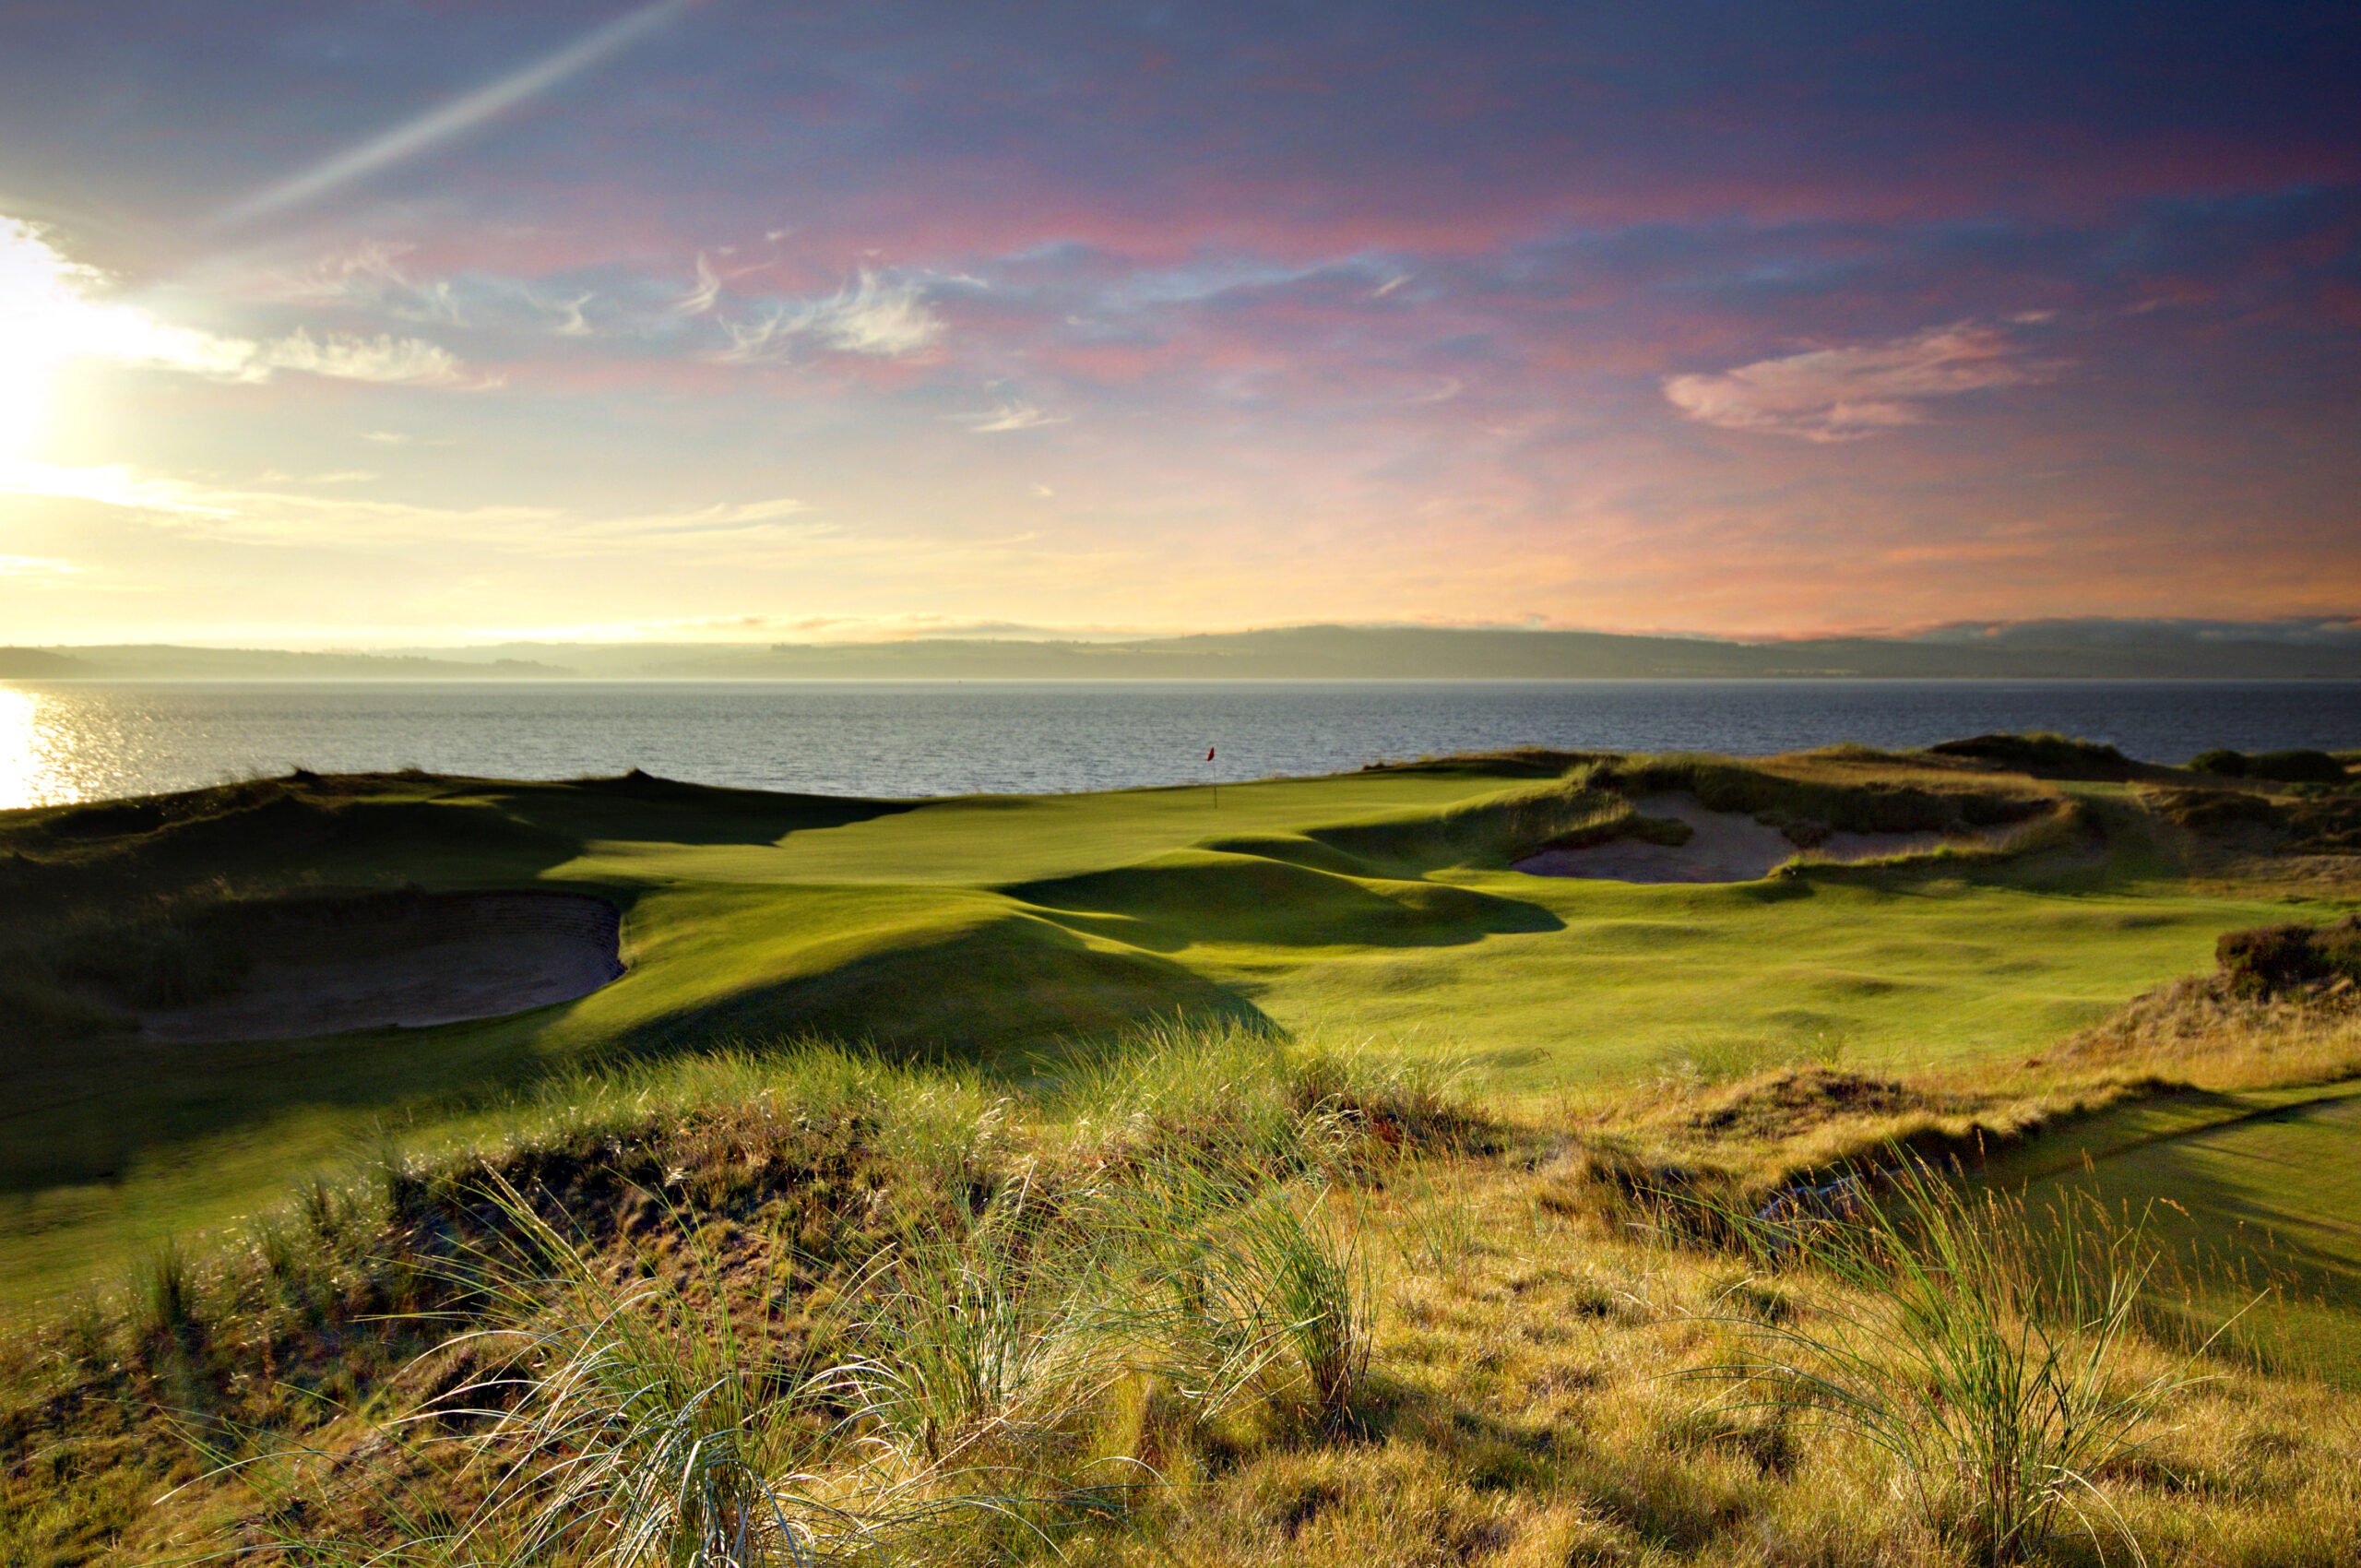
x: 364, y: 270
x: 36, y: 566
x: 703, y: 294
x: 750, y: 517
x: 885, y: 318
x: 1012, y: 413
x: 273, y: 508
x: 371, y: 274
x: 1850, y: 393
x: 571, y: 322
x: 110, y: 484
x: 752, y: 342
x: 348, y: 358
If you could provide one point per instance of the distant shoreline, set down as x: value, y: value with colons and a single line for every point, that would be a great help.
x: 2040, y: 651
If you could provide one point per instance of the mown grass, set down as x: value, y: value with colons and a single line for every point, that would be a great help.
x: 996, y: 929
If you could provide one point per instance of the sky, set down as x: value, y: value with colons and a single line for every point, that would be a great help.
x: 342, y: 323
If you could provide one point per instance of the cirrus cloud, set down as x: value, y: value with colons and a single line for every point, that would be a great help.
x: 1012, y: 413
x: 884, y: 318
x: 1849, y: 394
x: 351, y: 358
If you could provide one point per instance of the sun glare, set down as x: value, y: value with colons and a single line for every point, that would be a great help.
x: 29, y: 774
x: 49, y: 314
x: 37, y: 297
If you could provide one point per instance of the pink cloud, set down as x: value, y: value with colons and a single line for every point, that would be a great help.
x: 1851, y: 393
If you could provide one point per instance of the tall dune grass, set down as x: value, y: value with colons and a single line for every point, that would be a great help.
x: 1984, y: 1360
x: 628, y: 1424
x: 981, y: 1337
x: 1183, y: 1241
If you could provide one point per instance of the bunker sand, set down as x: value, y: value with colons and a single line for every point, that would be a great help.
x: 1724, y: 847
x: 445, y: 958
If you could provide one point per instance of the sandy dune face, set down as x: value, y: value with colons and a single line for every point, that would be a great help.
x: 409, y: 961
x: 1727, y: 846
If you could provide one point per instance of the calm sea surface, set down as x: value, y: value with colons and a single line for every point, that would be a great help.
x: 71, y: 741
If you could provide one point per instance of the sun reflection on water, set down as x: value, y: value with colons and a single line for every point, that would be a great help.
x: 29, y: 770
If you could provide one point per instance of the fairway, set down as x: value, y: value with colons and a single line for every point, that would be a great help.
x: 1010, y: 933
x: 1638, y: 979
x: 2259, y: 1194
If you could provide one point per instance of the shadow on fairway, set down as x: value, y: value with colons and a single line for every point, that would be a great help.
x: 1198, y: 896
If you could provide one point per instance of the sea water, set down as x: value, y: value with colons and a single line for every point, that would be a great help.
x: 72, y: 741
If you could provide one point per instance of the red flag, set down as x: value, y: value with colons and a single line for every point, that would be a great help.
x: 1209, y: 753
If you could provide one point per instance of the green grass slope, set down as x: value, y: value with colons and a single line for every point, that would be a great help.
x: 1007, y: 930
x: 2254, y: 1199
x: 905, y: 969
x: 1641, y: 979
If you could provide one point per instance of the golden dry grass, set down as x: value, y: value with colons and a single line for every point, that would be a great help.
x: 1536, y: 1331
x: 1533, y: 1405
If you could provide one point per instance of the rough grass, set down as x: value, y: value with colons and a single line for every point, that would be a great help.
x: 1222, y: 1301
x: 1845, y: 791
x: 1992, y: 1366
x: 2193, y: 1104
x: 771, y: 1213
x: 2046, y: 755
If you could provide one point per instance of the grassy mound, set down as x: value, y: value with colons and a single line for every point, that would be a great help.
x: 1207, y: 1300
x: 2281, y: 768
x: 2046, y: 755
x: 902, y: 970
x: 1839, y: 794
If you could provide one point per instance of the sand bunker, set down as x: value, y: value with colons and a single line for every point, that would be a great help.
x: 1727, y: 846
x: 323, y: 968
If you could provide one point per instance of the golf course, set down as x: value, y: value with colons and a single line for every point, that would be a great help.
x: 1561, y: 994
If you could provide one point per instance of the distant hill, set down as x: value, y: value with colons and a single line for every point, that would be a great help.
x: 2078, y: 651
x: 39, y: 664
x: 2031, y: 650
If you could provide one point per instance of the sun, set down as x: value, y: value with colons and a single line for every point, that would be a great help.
x: 54, y: 309
x: 39, y: 297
